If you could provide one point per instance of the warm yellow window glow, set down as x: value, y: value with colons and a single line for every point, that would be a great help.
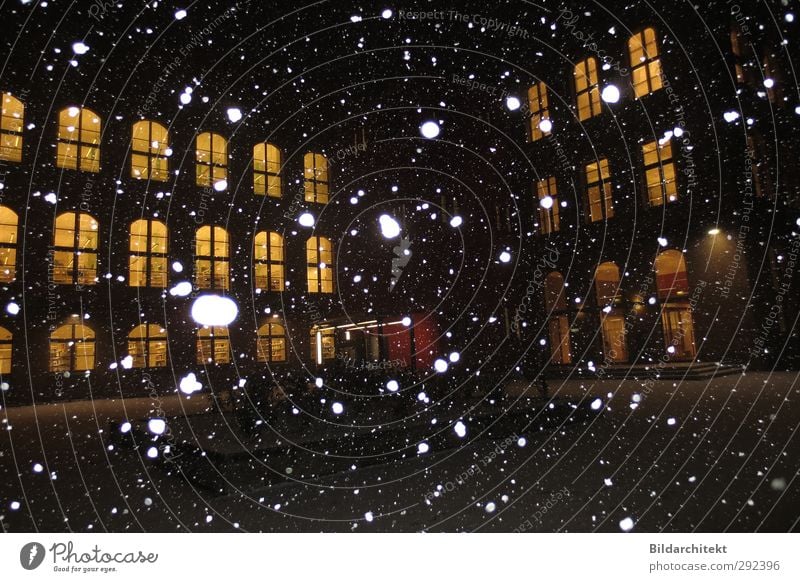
x: 607, y: 283
x: 323, y: 344
x: 645, y: 62
x: 75, y: 249
x: 599, y: 191
x: 548, y: 210
x: 212, y: 262
x: 271, y: 345
x: 147, y: 345
x: 587, y: 89
x: 316, y: 178
x: 5, y: 351
x: 539, y: 110
x: 671, y: 279
x: 269, y: 261
x: 659, y: 173
x: 78, y: 140
x: 615, y: 344
x: 148, y: 259
x: 319, y: 256
x: 8, y: 244
x: 678, y: 324
x: 212, y: 159
x: 213, y: 346
x: 150, y: 147
x: 558, y: 324
x: 72, y: 348
x: 11, y: 121
x: 267, y: 170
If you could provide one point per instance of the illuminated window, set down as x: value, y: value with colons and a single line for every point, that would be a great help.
x: 5, y: 351
x: 587, y: 89
x: 212, y: 159
x: 147, y: 345
x: 75, y: 249
x: 558, y: 322
x: 213, y: 346
x: 607, y: 279
x: 598, y: 191
x: 78, y: 140
x: 316, y: 178
x: 547, y: 193
x: 212, y: 262
x: 607, y: 283
x: 8, y: 244
x: 671, y: 278
x: 678, y: 324
x: 319, y: 256
x: 659, y: 172
x: 150, y: 145
x: 323, y: 344
x: 615, y: 344
x: 148, y: 259
x: 269, y: 261
x: 645, y: 62
x: 13, y: 116
x: 271, y: 343
x: 72, y: 348
x: 537, y: 103
x: 267, y: 170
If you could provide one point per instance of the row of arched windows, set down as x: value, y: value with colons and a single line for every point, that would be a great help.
x: 672, y: 286
x: 78, y: 148
x: 75, y: 248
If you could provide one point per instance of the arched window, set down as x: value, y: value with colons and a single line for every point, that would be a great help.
x: 607, y: 279
x: 645, y: 62
x: 319, y: 256
x: 671, y: 278
x: 212, y: 159
x: 323, y: 344
x: 78, y: 139
x: 212, y: 262
x: 269, y: 261
x: 11, y: 121
x: 8, y: 244
x: 558, y: 324
x: 148, y: 261
x: 676, y: 312
x: 213, y: 346
x: 539, y: 110
x: 5, y: 351
x: 72, y: 348
x: 267, y: 170
x: 271, y: 346
x: 607, y: 283
x: 150, y: 157
x: 75, y: 249
x: 547, y: 203
x: 659, y: 172
x: 599, y: 191
x: 147, y: 345
x: 316, y: 178
x: 587, y: 89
